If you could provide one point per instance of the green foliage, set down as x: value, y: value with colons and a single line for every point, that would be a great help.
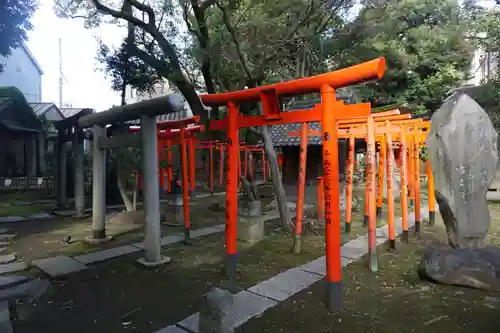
x: 425, y: 48
x: 124, y: 69
x: 15, y: 21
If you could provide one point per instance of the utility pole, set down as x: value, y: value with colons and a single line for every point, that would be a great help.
x: 61, y: 76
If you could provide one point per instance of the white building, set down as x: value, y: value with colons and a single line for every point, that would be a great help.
x: 21, y: 70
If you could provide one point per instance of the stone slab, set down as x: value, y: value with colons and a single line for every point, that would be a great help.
x: 11, y: 219
x: 60, y: 265
x: 7, y: 258
x: 4, y: 243
x: 64, y: 213
x: 207, y: 231
x: 355, y: 248
x: 190, y: 323
x: 7, y: 237
x: 8, y: 281
x: 3, y: 249
x: 172, y: 329
x: 318, y: 266
x: 4, y: 230
x: 286, y: 284
x: 172, y: 239
x: 13, y: 267
x: 246, y: 306
x: 22, y: 203
x: 41, y: 216
x: 103, y: 255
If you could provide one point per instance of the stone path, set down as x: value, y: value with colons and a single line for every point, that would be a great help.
x: 259, y: 298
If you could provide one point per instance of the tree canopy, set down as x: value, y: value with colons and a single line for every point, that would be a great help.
x: 425, y: 46
x: 15, y: 21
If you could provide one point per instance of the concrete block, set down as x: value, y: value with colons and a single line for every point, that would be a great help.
x: 60, y: 265
x: 251, y: 229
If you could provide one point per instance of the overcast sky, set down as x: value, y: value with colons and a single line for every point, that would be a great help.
x: 85, y: 87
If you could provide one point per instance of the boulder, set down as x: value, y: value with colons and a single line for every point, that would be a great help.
x: 476, y: 268
x: 462, y: 148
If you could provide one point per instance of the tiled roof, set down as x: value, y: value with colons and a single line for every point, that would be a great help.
x: 69, y: 112
x: 41, y: 108
x: 280, y: 137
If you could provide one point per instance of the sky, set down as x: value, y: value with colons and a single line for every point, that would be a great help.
x: 85, y: 87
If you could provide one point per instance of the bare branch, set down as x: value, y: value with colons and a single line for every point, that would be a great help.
x: 145, y: 8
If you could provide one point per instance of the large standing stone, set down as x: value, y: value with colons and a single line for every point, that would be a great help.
x: 463, y: 154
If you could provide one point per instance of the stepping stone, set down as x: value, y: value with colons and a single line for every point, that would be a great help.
x: 13, y: 267
x: 8, y: 281
x: 207, y: 231
x: 3, y: 249
x: 172, y: 239
x: 40, y: 216
x: 172, y: 329
x: 64, y: 212
x: 28, y: 291
x: 286, y: 284
x: 44, y: 201
x: 7, y: 237
x: 106, y: 254
x: 60, y: 265
x: 7, y: 258
x: 4, y: 230
x: 22, y: 203
x: 5, y: 323
x: 4, y: 243
x: 9, y: 219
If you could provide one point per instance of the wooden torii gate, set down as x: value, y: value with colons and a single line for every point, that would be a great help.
x: 328, y: 112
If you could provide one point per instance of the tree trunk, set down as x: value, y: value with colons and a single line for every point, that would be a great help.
x: 121, y: 185
x: 276, y: 179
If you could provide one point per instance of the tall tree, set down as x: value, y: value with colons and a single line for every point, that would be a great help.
x: 15, y: 21
x: 424, y: 43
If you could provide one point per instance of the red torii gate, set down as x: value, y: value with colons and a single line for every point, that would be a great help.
x: 328, y: 112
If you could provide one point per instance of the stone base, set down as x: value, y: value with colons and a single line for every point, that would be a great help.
x: 150, y: 264
x: 250, y: 228
x: 93, y: 241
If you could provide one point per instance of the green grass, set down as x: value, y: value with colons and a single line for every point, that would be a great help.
x: 25, y: 211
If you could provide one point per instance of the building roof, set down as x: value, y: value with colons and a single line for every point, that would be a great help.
x: 279, y: 133
x: 70, y: 112
x: 41, y: 108
x: 32, y: 57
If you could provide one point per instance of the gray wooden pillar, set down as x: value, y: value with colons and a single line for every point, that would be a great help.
x: 151, y: 188
x: 41, y: 153
x: 61, y: 169
x: 98, y: 186
x: 79, y: 186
